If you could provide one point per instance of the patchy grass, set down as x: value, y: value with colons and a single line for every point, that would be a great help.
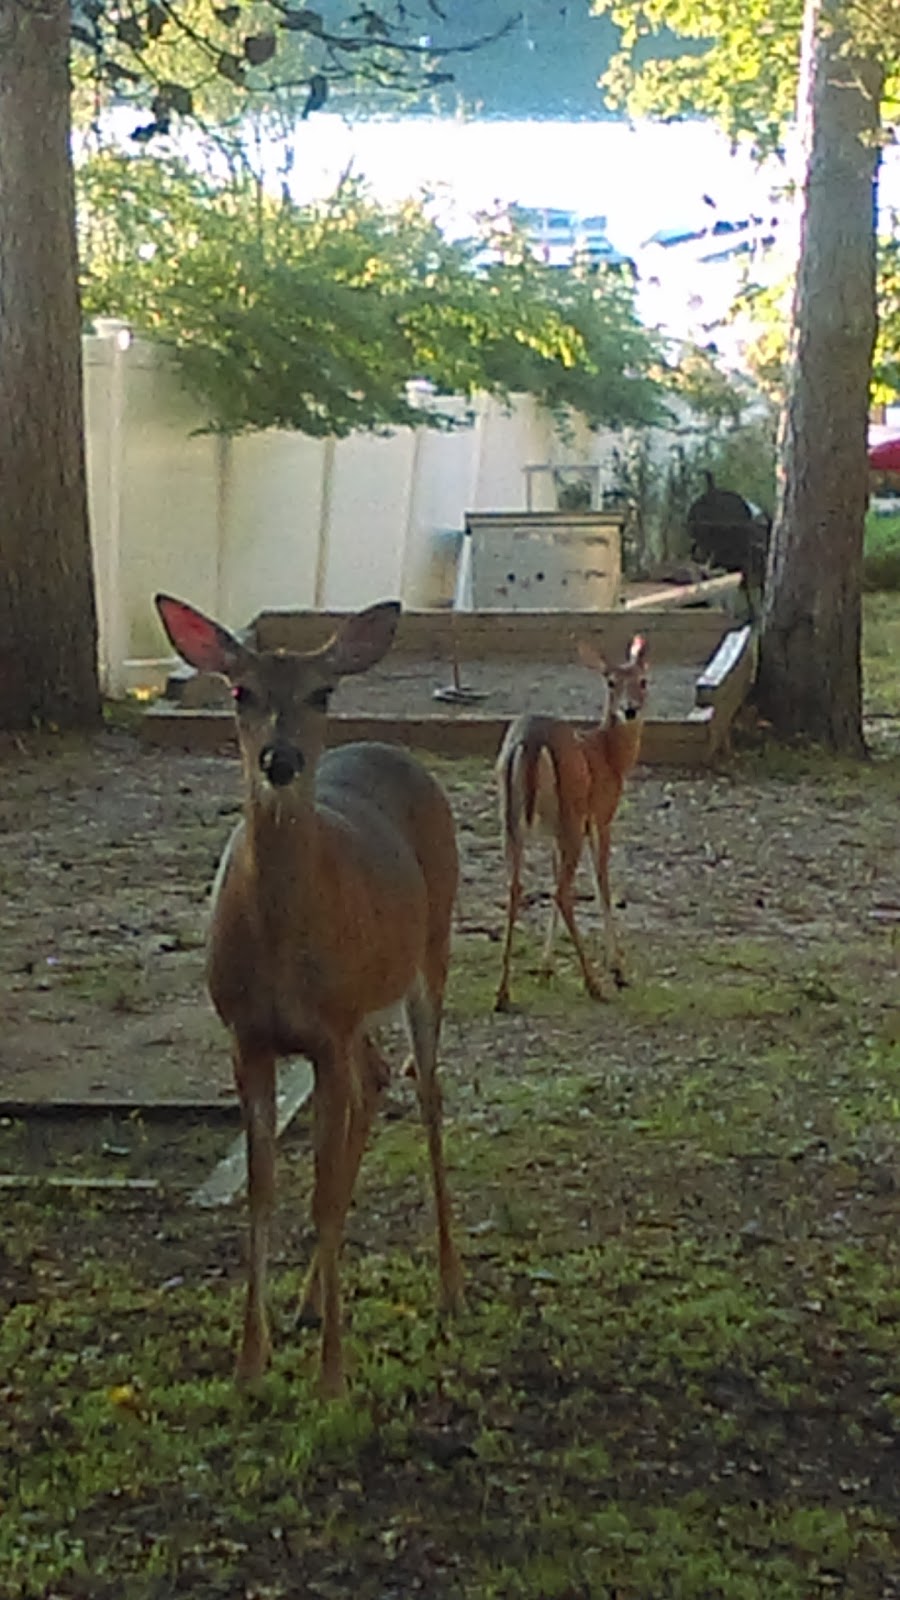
x: 881, y: 555
x: 882, y: 654
x: 676, y: 1373
x: 677, y: 1376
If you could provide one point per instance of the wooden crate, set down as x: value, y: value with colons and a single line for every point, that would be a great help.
x: 544, y: 560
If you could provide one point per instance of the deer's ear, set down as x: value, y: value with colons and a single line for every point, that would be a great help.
x: 200, y: 642
x: 637, y: 650
x: 363, y: 639
x: 589, y: 657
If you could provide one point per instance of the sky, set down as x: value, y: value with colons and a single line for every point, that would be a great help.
x: 643, y: 177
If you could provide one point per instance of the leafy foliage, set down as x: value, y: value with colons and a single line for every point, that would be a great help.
x: 317, y: 317
x: 769, y: 309
x: 887, y: 347
x: 736, y: 64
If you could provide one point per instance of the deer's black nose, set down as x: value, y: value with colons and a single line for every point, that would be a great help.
x: 281, y: 763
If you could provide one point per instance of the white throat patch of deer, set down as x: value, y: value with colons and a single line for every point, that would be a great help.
x: 565, y: 784
x: 332, y: 903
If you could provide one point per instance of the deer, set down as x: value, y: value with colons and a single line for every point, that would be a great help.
x: 331, y: 906
x: 566, y: 784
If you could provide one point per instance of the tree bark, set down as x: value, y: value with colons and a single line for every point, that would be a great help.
x: 48, y: 633
x: 810, y: 676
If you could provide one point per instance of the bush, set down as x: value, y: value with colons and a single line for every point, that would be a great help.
x: 316, y: 317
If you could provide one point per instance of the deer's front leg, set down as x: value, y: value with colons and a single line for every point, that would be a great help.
x: 254, y: 1072
x: 330, y: 1199
x: 373, y: 1074
x: 613, y: 958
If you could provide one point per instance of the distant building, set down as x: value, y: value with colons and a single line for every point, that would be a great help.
x: 688, y: 277
x: 560, y: 238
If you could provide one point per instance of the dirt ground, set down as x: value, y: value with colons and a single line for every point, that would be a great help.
x: 108, y: 854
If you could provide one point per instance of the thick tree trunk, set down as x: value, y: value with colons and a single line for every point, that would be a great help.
x: 810, y: 679
x: 48, y: 644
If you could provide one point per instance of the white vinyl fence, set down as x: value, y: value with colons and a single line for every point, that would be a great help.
x: 279, y: 520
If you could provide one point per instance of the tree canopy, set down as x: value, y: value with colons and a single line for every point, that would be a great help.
x: 735, y: 64
x: 317, y: 317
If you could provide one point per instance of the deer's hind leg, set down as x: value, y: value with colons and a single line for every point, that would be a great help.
x: 599, y: 846
x: 514, y: 851
x: 569, y: 855
x: 423, y: 1011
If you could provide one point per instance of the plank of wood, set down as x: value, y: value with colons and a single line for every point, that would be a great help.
x: 718, y: 669
x: 34, y: 1180
x: 673, y: 596
x: 678, y: 635
x: 124, y: 1110
x: 460, y: 734
x: 726, y: 681
x: 295, y: 1085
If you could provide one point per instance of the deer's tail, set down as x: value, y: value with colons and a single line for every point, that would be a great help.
x: 518, y: 770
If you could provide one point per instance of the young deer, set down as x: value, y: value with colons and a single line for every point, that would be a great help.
x: 332, y: 902
x: 567, y: 785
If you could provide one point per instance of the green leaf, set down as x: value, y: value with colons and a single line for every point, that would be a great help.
x: 230, y: 67
x: 128, y: 31
x: 259, y: 48
x: 157, y: 18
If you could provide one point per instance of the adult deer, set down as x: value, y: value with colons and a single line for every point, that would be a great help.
x: 332, y: 903
x: 567, y: 785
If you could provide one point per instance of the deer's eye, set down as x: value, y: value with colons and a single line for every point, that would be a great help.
x: 319, y: 698
x: 242, y: 696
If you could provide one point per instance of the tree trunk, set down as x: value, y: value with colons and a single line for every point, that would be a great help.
x: 810, y: 677
x: 48, y: 633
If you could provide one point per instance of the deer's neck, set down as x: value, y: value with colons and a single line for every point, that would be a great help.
x: 284, y: 856
x: 616, y: 746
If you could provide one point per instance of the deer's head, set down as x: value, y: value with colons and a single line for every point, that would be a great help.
x: 280, y: 697
x: 627, y: 683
